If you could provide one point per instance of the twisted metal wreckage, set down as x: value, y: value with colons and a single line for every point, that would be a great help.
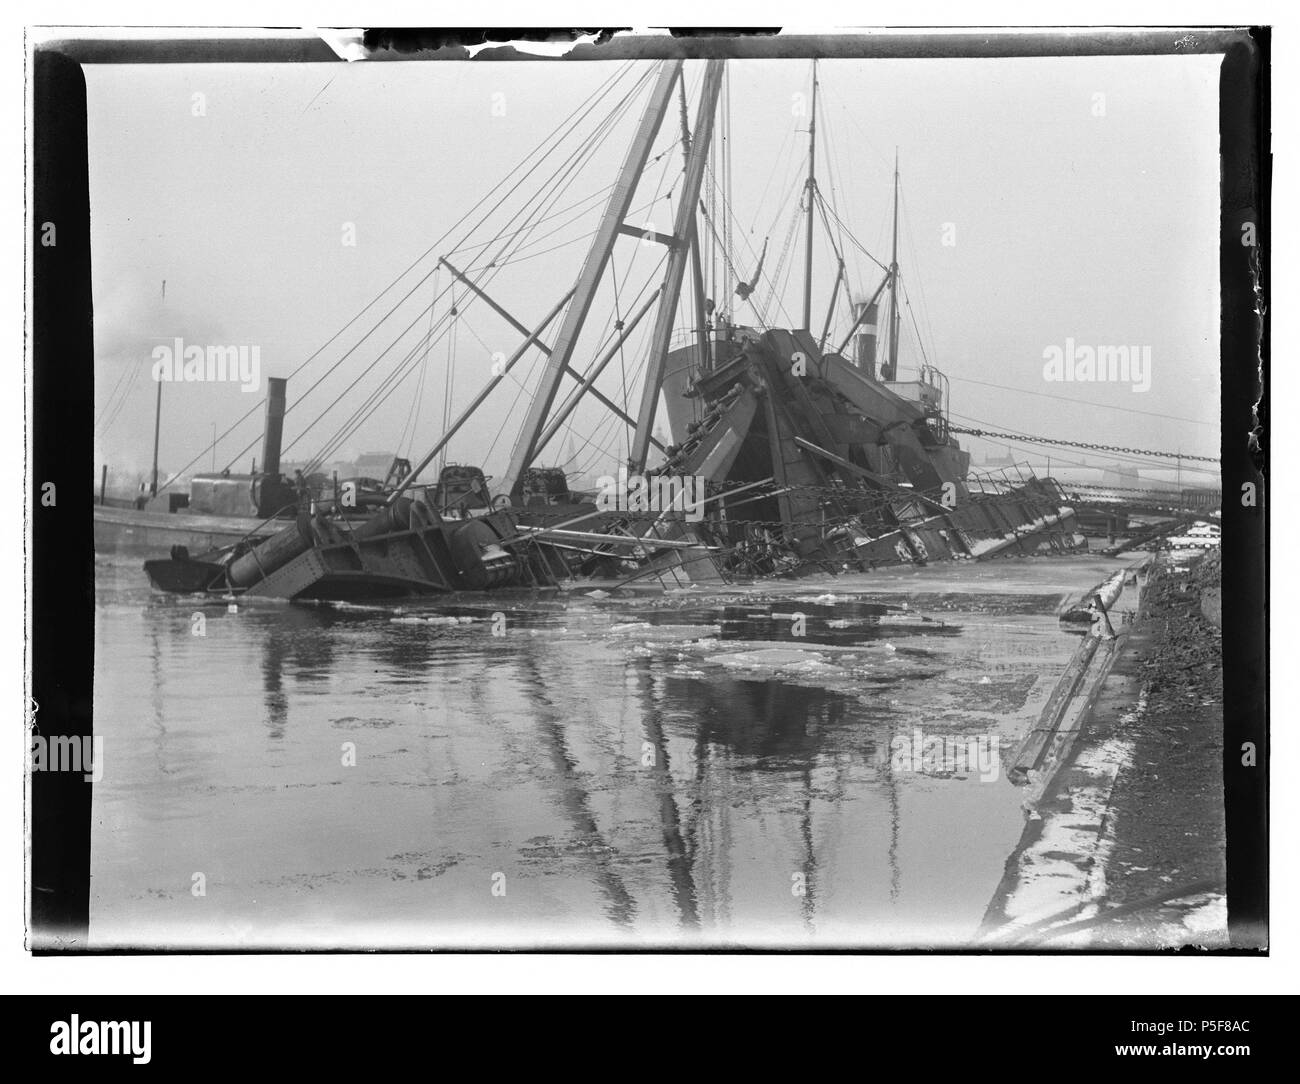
x: 813, y: 459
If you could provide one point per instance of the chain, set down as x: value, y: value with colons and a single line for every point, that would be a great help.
x: 1158, y: 496
x: 1080, y: 444
x: 862, y: 501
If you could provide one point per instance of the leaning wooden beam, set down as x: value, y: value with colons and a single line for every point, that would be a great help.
x: 616, y: 211
x: 490, y: 301
x: 617, y: 539
x: 568, y: 369
x: 862, y: 315
x: 830, y: 311
x: 677, y: 259
x: 527, y: 344
x: 596, y: 370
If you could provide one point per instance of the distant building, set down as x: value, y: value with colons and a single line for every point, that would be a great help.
x: 367, y: 465
x: 998, y: 460
x: 372, y: 464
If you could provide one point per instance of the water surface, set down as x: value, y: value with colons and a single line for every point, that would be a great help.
x: 524, y: 770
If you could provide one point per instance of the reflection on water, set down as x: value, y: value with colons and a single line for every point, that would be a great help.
x: 675, y: 769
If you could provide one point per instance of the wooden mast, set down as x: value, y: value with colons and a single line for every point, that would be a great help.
x: 893, y: 285
x: 679, y: 253
x: 810, y: 190
x: 612, y: 224
x: 157, y: 418
x: 697, y: 267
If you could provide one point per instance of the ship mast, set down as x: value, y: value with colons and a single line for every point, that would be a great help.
x: 697, y: 267
x: 893, y: 285
x: 810, y: 190
x: 678, y: 253
x: 157, y: 419
x: 538, y: 426
x: 613, y: 223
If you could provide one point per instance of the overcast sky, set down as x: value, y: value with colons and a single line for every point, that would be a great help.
x: 1068, y: 224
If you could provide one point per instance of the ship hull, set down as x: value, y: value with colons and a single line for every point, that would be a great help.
x: 127, y: 530
x: 860, y: 475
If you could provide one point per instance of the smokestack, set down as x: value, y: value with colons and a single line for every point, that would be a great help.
x: 889, y: 371
x: 274, y: 424
x: 864, y: 344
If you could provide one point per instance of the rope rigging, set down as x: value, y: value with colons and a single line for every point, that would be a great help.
x: 550, y: 143
x: 561, y: 178
x: 407, y: 438
x: 523, y: 238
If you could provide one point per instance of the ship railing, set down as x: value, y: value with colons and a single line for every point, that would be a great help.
x: 682, y: 336
x: 937, y: 378
x: 995, y: 482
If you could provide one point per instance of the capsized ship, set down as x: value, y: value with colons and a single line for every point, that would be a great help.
x: 865, y: 472
x: 812, y: 458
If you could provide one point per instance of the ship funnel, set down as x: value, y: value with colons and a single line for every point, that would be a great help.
x: 864, y: 343
x: 274, y: 424
x: 889, y: 370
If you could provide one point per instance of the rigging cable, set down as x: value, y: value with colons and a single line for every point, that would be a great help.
x: 562, y: 176
x: 1079, y: 403
x: 578, y: 113
x: 449, y: 384
x: 112, y: 410
x: 852, y: 237
x: 920, y: 283
x: 408, y: 431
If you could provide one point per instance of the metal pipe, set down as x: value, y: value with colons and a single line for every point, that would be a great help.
x: 274, y: 425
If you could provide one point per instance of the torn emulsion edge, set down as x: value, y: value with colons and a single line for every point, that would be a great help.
x: 1260, y: 310
x: 1254, y: 264
x: 548, y: 44
x: 350, y: 43
x: 453, y: 43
